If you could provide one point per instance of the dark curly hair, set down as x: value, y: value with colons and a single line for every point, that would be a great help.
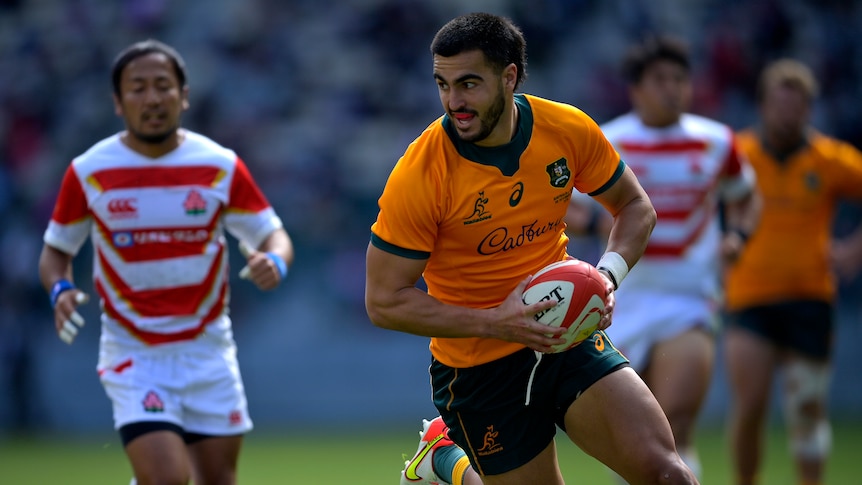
x: 500, y: 40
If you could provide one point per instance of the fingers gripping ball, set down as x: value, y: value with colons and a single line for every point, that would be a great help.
x: 579, y: 290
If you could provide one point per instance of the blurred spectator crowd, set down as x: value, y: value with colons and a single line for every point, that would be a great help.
x: 320, y: 97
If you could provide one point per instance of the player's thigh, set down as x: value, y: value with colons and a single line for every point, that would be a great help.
x: 751, y: 362
x: 618, y: 421
x: 159, y: 457
x: 214, y: 399
x: 543, y: 469
x: 214, y: 459
x: 680, y: 370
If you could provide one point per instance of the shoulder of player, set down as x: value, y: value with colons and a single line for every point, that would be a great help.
x: 107, y: 151
x: 831, y: 147
x: 623, y: 124
x: 427, y: 151
x: 705, y: 127
x: 196, y: 142
x: 548, y: 113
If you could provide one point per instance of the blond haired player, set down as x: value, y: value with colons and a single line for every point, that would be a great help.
x: 155, y: 201
x: 781, y: 291
x: 476, y: 205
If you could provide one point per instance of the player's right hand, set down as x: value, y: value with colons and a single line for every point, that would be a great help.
x: 67, y: 320
x: 515, y: 322
x: 610, y: 301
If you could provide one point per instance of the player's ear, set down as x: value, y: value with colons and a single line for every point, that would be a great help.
x: 118, y: 107
x: 184, y: 94
x: 510, y: 76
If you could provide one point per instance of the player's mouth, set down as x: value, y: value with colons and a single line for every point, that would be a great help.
x: 463, y: 119
x: 154, y: 118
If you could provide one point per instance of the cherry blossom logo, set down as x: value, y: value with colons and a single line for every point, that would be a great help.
x: 153, y: 403
x: 195, y: 204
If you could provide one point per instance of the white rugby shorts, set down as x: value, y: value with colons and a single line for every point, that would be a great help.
x: 645, y: 318
x: 194, y: 384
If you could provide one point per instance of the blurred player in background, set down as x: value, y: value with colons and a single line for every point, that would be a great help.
x: 665, y: 318
x: 155, y: 200
x: 476, y: 205
x: 781, y: 291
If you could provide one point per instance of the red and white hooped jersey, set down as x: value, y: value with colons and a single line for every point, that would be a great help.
x: 685, y: 168
x: 160, y: 263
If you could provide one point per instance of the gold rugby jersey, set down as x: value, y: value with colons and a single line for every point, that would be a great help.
x: 787, y: 256
x: 486, y: 217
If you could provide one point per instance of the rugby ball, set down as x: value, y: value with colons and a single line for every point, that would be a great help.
x: 580, y: 292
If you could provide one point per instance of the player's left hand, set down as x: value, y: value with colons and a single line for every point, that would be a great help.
x: 610, y: 302
x: 731, y: 247
x: 261, y: 269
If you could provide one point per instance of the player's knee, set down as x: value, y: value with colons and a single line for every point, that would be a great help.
x: 805, y: 396
x: 814, y: 443
x: 674, y: 472
x: 669, y: 470
x: 163, y: 477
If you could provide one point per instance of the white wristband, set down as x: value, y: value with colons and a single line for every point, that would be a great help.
x: 615, y: 265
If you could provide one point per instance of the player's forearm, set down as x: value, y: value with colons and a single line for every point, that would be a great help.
x: 743, y: 216
x: 54, y: 265
x: 280, y: 244
x: 631, y: 230
x: 413, y: 311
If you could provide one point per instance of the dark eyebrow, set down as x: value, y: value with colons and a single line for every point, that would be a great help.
x: 462, y: 79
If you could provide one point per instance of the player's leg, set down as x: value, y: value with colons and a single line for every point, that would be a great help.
x: 438, y: 460
x: 806, y: 377
x: 543, y: 469
x: 679, y: 376
x: 147, y: 413
x: 215, y: 413
x: 805, y: 390
x: 157, y: 453
x: 751, y: 363
x: 618, y: 421
x: 214, y: 458
x: 503, y: 415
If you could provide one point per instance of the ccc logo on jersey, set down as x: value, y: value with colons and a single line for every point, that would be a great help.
x: 123, y: 208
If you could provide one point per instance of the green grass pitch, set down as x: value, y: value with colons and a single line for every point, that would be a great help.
x: 327, y: 457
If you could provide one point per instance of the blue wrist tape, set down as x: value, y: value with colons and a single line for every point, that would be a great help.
x: 59, y: 287
x: 279, y: 263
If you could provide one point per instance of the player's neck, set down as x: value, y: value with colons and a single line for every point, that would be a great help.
x: 507, y: 127
x: 153, y: 149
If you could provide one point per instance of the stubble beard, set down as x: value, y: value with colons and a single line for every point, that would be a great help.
x: 488, y: 122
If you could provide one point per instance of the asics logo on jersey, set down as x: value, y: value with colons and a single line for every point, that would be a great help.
x: 410, y: 471
x: 123, y: 208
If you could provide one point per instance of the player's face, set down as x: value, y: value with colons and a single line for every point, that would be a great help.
x: 475, y: 96
x: 785, y: 112
x: 151, y: 99
x: 663, y: 93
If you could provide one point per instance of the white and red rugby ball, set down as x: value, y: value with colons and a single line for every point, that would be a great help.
x: 580, y: 292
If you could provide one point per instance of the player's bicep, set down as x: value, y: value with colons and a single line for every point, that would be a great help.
x: 390, y: 272
x: 390, y: 279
